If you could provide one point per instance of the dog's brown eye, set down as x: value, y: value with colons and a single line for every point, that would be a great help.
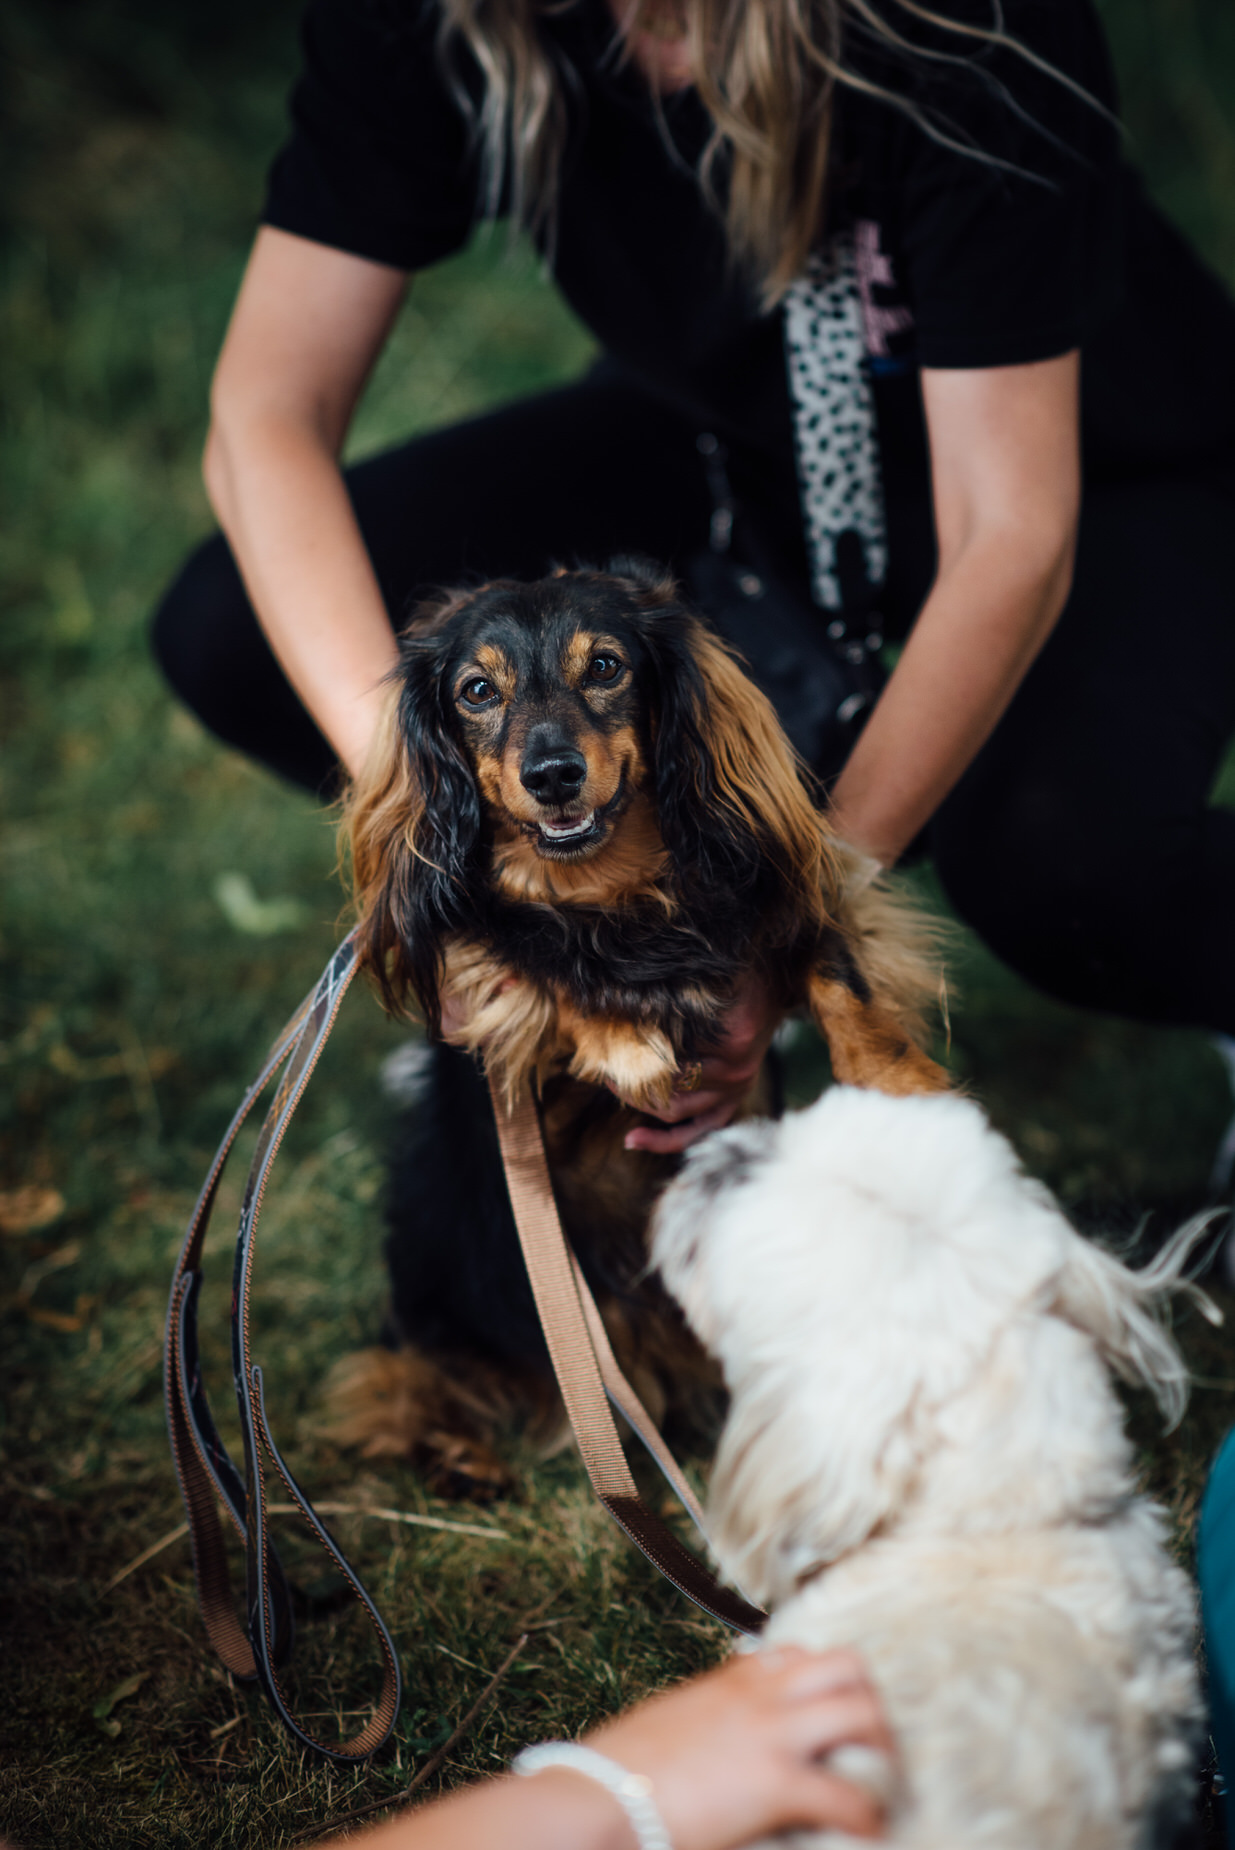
x: 604, y: 668
x: 478, y: 693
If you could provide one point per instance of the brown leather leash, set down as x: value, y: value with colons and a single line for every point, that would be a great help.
x: 587, y: 1372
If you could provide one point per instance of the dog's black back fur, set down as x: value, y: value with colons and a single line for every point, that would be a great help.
x: 459, y: 1285
x: 456, y: 1272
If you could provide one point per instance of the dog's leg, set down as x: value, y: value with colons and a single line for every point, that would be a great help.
x: 636, y: 1061
x: 867, y: 1044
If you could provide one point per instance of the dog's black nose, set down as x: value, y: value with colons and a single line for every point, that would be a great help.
x: 553, y: 777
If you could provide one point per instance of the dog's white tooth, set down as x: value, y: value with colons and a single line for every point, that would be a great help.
x: 563, y: 830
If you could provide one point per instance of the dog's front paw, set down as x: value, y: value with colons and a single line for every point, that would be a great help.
x: 638, y: 1063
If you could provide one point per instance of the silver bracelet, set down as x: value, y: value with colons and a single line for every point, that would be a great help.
x: 631, y: 1790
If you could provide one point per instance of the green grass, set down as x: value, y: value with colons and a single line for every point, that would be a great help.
x: 133, y: 1006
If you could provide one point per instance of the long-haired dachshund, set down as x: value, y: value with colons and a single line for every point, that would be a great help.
x: 584, y: 826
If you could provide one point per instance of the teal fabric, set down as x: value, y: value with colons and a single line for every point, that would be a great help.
x: 1215, y: 1562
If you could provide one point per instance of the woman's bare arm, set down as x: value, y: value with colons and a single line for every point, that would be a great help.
x: 307, y: 327
x: 731, y: 1756
x: 1005, y: 464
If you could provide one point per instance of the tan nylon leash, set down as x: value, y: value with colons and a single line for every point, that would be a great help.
x: 623, y: 1396
x: 258, y: 1644
x: 585, y: 1366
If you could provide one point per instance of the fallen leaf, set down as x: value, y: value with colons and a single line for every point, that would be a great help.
x: 102, y: 1710
x: 52, y: 1261
x: 73, y: 1066
x: 256, y: 918
x: 67, y: 1322
x: 23, y: 1210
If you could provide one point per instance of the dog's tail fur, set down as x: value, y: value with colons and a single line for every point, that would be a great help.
x: 1121, y: 1310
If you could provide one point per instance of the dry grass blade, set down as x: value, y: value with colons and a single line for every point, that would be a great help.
x: 408, y: 1516
x: 147, y: 1554
x: 25, y: 1210
x: 327, y: 1509
x: 430, y: 1766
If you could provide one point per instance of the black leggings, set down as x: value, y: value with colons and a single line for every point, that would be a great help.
x: 1080, y: 844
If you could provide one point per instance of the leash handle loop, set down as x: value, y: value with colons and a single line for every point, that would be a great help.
x: 264, y: 1604
x: 587, y: 1371
x: 206, y: 1473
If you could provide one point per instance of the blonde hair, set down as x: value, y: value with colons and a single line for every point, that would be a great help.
x: 765, y: 70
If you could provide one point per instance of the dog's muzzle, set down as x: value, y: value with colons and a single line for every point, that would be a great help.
x: 560, y: 838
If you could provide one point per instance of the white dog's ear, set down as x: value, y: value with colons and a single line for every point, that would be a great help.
x: 1121, y: 1310
x: 802, y: 1479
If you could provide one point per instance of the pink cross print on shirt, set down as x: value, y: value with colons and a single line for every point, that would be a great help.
x: 874, y: 267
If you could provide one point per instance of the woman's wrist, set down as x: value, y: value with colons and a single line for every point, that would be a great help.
x: 861, y: 864
x: 633, y: 1791
x: 558, y: 1810
x: 568, y: 1810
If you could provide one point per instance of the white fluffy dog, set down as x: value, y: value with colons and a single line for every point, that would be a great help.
x: 925, y: 1459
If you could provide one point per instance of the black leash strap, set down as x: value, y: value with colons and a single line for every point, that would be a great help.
x: 587, y: 1374
x: 257, y: 1647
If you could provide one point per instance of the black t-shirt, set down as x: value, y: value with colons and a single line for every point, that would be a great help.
x: 1011, y: 234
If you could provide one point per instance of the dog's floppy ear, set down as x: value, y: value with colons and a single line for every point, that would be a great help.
x: 413, y: 824
x: 808, y: 1470
x: 731, y: 795
x: 819, y: 1443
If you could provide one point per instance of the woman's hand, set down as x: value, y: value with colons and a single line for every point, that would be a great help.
x: 740, y: 1753
x: 724, y: 1075
x: 731, y: 1757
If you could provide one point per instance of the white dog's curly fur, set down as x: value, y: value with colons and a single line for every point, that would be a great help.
x: 925, y: 1458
